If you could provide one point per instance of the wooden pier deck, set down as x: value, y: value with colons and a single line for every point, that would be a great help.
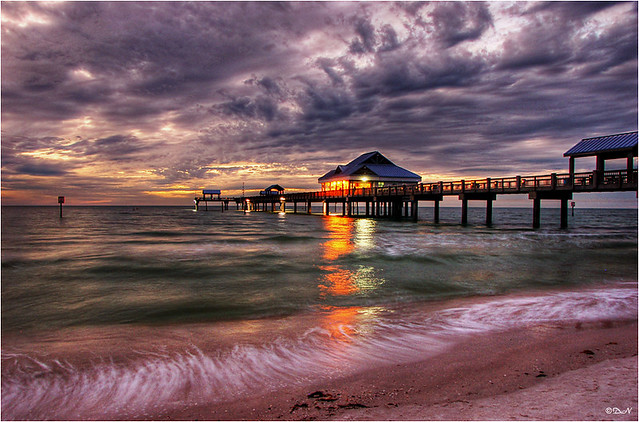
x: 403, y: 201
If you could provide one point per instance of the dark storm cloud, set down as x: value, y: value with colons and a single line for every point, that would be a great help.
x: 41, y: 169
x: 179, y: 87
x: 457, y: 22
x: 260, y: 108
x: 366, y: 38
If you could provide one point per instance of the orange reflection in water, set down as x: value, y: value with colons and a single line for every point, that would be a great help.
x: 339, y: 322
x: 340, y: 233
x: 337, y: 281
x: 345, y: 236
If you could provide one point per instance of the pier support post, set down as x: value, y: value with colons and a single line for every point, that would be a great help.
x: 308, y: 207
x: 325, y: 207
x: 367, y: 208
x: 414, y: 209
x: 436, y: 211
x: 536, y: 213
x: 294, y: 207
x: 489, y: 212
x: 396, y: 208
x: 489, y: 197
x: 564, y: 213
x: 464, y: 216
x: 537, y: 196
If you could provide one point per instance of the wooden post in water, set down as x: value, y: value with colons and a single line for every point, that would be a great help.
x: 489, y: 212
x: 464, y: 217
x: 536, y: 213
x: 564, y: 213
x: 60, y: 201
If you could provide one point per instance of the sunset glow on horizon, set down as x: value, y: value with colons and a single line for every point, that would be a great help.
x: 148, y: 103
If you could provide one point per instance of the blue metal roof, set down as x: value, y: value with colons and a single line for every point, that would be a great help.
x: 384, y: 170
x: 376, y: 163
x: 621, y: 141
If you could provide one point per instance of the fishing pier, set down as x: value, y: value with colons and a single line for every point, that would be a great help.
x: 359, y: 188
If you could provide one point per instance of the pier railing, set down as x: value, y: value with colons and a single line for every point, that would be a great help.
x: 617, y: 180
x: 396, y: 201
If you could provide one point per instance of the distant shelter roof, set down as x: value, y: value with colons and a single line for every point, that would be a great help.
x: 275, y: 187
x: 619, y: 143
x: 372, y: 164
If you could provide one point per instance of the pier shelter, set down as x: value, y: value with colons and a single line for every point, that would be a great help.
x: 609, y: 147
x: 273, y: 190
x: 211, y: 195
x: 370, y: 170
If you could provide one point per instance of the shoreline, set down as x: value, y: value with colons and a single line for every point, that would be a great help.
x: 584, y: 369
x: 465, y: 358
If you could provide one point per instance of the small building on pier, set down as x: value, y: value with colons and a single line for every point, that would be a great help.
x: 273, y: 190
x: 609, y: 147
x: 207, y: 194
x: 369, y: 170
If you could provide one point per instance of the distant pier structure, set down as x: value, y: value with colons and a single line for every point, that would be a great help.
x: 211, y: 195
x: 387, y: 190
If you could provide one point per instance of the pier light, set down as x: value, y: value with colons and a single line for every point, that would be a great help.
x: 282, y: 199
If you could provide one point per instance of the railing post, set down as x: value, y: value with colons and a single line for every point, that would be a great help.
x: 553, y: 181
x: 518, y: 183
x: 488, y: 187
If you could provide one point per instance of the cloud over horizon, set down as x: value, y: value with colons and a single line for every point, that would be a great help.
x: 148, y: 102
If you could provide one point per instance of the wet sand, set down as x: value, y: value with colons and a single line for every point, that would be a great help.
x: 542, y: 372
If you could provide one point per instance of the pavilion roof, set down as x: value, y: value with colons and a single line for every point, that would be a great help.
x: 603, y: 144
x: 374, y: 164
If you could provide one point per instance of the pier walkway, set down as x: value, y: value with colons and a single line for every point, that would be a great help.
x: 402, y: 201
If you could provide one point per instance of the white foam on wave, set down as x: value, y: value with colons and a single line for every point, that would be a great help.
x: 155, y: 382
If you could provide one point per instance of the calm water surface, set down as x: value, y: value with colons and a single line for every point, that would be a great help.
x: 141, y: 304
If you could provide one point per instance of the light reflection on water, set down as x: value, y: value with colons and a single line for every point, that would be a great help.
x: 347, y: 236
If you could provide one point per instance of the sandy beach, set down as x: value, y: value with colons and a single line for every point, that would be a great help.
x: 577, y: 372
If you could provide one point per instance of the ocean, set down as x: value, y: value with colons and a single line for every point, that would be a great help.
x: 128, y: 312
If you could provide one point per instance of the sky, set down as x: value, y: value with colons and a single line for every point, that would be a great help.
x: 144, y: 103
